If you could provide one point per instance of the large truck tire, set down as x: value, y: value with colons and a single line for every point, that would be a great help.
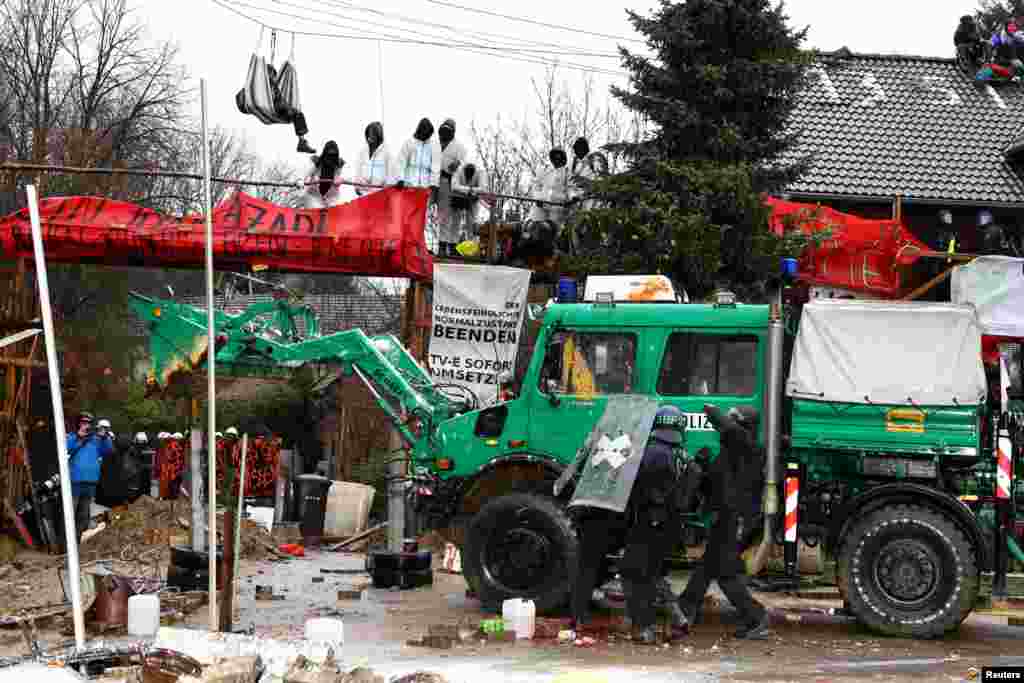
x: 521, y: 545
x: 908, y: 570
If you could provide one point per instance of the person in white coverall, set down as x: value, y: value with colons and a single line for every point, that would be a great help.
x: 373, y: 164
x: 453, y: 155
x: 467, y: 184
x: 322, y: 189
x: 551, y: 186
x: 419, y: 160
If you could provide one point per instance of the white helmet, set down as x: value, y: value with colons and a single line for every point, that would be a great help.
x: 140, y: 437
x: 163, y: 435
x: 219, y: 435
x: 177, y: 435
x: 231, y: 431
x: 103, y: 423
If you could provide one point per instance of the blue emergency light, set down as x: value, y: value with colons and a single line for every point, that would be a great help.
x: 789, y: 268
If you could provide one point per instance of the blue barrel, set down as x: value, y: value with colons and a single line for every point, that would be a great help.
x: 566, y: 290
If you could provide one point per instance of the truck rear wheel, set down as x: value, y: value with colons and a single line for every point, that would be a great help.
x: 521, y: 545
x: 908, y: 570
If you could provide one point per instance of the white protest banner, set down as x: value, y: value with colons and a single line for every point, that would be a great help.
x: 478, y: 318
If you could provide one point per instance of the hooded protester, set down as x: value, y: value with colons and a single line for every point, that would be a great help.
x: 552, y: 186
x: 467, y: 183
x: 587, y: 167
x: 373, y: 165
x: 419, y: 160
x: 968, y: 42
x: 453, y: 155
x: 322, y: 189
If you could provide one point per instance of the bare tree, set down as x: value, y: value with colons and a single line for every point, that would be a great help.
x: 230, y: 157
x: 84, y: 88
x: 514, y: 154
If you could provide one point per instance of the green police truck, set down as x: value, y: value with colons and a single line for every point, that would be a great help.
x: 882, y: 410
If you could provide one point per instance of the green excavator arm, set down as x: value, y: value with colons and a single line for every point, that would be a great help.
x: 267, y: 339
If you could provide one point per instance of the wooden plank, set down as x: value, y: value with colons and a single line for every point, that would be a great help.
x: 358, y: 537
x: 931, y: 284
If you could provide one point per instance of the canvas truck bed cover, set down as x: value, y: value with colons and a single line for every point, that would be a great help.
x: 888, y: 353
x: 994, y: 285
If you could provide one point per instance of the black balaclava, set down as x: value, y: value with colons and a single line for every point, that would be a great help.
x: 580, y: 148
x: 374, y: 134
x: 557, y: 157
x: 468, y: 171
x: 330, y: 162
x: 446, y: 133
x: 424, y: 130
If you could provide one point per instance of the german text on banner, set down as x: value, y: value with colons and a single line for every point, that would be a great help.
x: 380, y: 234
x: 477, y: 324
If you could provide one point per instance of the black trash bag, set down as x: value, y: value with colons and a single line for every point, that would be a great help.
x: 121, y: 475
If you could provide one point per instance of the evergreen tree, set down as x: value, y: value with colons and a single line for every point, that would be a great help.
x: 716, y: 93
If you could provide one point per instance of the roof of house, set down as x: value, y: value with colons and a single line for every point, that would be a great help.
x: 919, y: 127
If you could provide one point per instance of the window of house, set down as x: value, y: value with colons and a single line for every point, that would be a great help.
x: 587, y: 363
x: 708, y: 364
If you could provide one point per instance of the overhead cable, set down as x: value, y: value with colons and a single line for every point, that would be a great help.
x: 571, y: 29
x: 448, y: 27
x: 478, y: 49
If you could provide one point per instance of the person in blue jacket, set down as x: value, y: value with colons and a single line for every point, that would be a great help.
x: 86, y: 450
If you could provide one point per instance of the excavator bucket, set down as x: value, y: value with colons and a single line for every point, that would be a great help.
x: 178, y: 340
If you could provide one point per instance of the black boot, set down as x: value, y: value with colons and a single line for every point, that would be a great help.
x: 645, y: 636
x: 756, y: 631
x: 304, y: 148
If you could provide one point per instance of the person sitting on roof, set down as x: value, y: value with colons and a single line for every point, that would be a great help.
x: 970, y: 48
x: 1005, y: 65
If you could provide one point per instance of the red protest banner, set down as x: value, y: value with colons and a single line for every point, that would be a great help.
x: 852, y: 252
x: 380, y: 234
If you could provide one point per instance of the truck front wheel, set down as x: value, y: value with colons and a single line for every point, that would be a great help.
x: 521, y: 545
x: 908, y: 571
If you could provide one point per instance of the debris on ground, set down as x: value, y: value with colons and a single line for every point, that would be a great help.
x: 233, y: 670
x: 421, y: 677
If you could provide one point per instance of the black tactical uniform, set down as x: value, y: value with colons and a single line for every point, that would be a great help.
x: 648, y: 530
x: 737, y: 465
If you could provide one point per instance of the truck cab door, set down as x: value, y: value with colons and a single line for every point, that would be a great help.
x: 581, y: 368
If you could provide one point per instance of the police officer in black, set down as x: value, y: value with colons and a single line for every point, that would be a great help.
x: 649, y: 529
x: 732, y: 476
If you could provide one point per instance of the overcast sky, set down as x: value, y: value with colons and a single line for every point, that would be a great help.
x: 340, y: 78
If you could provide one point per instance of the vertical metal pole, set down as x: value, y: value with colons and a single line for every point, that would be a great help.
x: 196, y: 478
x: 70, y: 534
x: 211, y: 352
x: 380, y: 77
x: 241, y: 504
x: 396, y: 494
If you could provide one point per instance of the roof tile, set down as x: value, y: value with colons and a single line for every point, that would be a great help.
x: 913, y: 125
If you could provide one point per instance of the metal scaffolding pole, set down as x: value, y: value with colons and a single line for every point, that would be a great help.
x: 211, y: 352
x: 70, y: 533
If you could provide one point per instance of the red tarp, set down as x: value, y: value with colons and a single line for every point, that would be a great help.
x: 860, y: 253
x: 380, y: 234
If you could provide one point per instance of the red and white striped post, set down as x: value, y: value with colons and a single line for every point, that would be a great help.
x: 791, y: 519
x: 1004, y: 465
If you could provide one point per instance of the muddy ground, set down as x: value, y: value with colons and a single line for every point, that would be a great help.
x: 807, y: 643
